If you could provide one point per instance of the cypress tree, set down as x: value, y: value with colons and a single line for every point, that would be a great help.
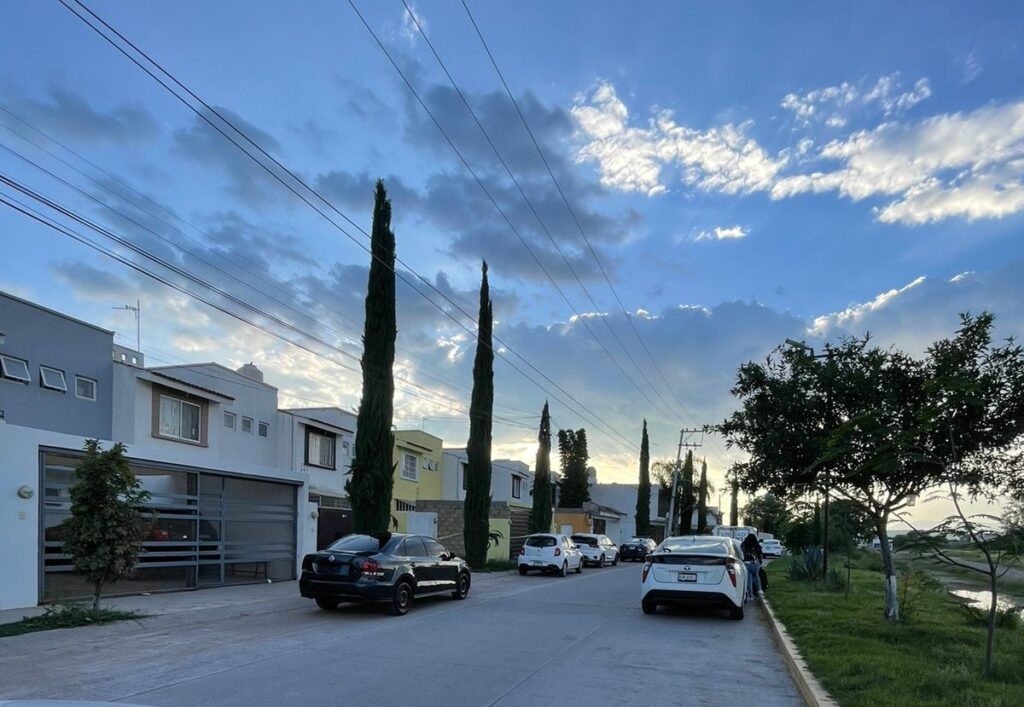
x: 540, y: 516
x: 572, y: 446
x: 372, y: 475
x: 686, y: 493
x: 702, y: 499
x: 734, y: 503
x: 476, y: 525
x: 643, y: 490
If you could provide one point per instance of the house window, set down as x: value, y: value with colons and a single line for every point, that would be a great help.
x: 247, y: 425
x: 410, y: 469
x: 85, y: 388
x: 15, y: 369
x: 320, y: 448
x: 401, y: 505
x: 264, y: 429
x: 346, y: 448
x: 465, y: 468
x: 52, y: 379
x: 230, y: 420
x: 179, y: 419
x: 517, y: 487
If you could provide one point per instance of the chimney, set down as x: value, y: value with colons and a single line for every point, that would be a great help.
x: 251, y: 371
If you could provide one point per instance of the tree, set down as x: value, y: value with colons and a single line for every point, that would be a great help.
x: 643, y: 489
x: 734, y: 500
x: 540, y: 517
x: 575, y: 487
x: 684, y: 517
x: 105, y: 532
x: 702, y: 499
x: 768, y: 513
x: 372, y: 475
x: 879, y: 426
x: 476, y: 516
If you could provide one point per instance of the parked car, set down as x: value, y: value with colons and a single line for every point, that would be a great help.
x: 391, y: 567
x: 701, y: 570
x: 636, y: 548
x: 772, y: 548
x: 597, y: 549
x: 549, y: 552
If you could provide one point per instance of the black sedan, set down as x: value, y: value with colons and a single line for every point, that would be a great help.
x: 392, y: 568
x: 636, y: 548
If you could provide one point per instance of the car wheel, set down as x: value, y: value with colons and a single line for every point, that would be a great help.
x: 579, y: 567
x: 522, y: 569
x: 649, y: 607
x: 615, y: 562
x: 402, y: 599
x: 736, y: 613
x: 600, y: 563
x: 461, y: 586
x: 565, y: 569
x: 327, y: 604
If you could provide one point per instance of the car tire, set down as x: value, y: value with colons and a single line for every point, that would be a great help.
x: 523, y: 570
x: 565, y: 569
x: 579, y: 567
x: 461, y: 586
x: 736, y: 613
x: 401, y: 600
x: 649, y: 607
x: 600, y: 563
x: 615, y: 562
x: 327, y: 604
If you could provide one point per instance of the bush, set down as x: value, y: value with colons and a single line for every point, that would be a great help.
x: 807, y: 566
x: 836, y: 579
x: 1008, y: 618
x: 910, y: 587
x: 870, y: 561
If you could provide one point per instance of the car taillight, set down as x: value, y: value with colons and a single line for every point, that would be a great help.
x: 647, y: 568
x: 522, y: 550
x: 558, y: 551
x: 307, y: 563
x: 731, y: 569
x: 372, y: 569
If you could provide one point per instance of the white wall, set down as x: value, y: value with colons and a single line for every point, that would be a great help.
x: 501, y: 479
x: 321, y: 481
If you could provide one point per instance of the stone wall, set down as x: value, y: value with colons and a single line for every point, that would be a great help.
x: 450, y: 525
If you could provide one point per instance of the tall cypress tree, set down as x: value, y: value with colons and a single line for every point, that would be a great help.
x: 734, y: 503
x: 702, y: 499
x: 369, y: 486
x: 575, y: 487
x: 686, y: 493
x: 540, y: 516
x: 643, y: 490
x: 477, y: 507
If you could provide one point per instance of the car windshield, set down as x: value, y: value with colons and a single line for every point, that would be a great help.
x: 360, y: 543
x: 541, y: 541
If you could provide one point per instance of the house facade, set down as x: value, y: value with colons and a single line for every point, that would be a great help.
x: 511, y: 480
x: 417, y: 457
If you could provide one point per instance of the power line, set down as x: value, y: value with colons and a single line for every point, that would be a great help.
x: 582, y: 410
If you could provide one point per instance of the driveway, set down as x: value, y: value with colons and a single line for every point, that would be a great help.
x: 515, y: 641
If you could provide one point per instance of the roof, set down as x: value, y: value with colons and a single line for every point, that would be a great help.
x: 54, y: 312
x: 604, y: 510
x: 322, y: 423
x: 222, y: 367
x: 183, y: 385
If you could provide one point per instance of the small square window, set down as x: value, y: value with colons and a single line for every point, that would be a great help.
x: 247, y: 425
x: 229, y: 420
x: 346, y: 448
x: 52, y: 379
x: 264, y: 429
x: 15, y: 369
x: 85, y: 388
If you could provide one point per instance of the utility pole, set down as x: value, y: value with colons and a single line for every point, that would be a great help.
x: 685, y: 436
x: 137, y: 309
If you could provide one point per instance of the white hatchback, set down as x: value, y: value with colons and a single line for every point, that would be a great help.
x: 597, y: 549
x: 695, y: 570
x: 549, y: 552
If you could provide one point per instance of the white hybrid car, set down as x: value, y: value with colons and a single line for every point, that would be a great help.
x: 597, y: 549
x: 695, y: 570
x: 549, y: 552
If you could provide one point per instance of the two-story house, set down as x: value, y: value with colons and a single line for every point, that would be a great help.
x: 417, y: 477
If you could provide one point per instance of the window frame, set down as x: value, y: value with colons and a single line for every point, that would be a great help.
x: 234, y: 420
x: 334, y: 448
x: 263, y: 429
x: 95, y: 388
x: 6, y: 373
x: 406, y: 456
x: 43, y: 370
x: 250, y: 421
x: 180, y: 403
x: 517, y: 486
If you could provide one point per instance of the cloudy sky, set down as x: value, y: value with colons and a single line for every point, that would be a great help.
x: 739, y: 177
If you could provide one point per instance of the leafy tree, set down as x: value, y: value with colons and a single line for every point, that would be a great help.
x: 881, y: 426
x: 768, y: 513
x: 575, y: 487
x: 372, y: 476
x: 478, y: 449
x: 643, y: 489
x: 702, y: 499
x: 848, y: 525
x: 105, y: 532
x: 540, y: 517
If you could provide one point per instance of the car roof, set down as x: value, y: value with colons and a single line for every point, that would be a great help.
x: 706, y: 544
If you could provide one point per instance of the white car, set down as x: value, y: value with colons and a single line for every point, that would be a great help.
x: 549, y: 552
x: 772, y: 548
x: 597, y: 549
x: 696, y: 570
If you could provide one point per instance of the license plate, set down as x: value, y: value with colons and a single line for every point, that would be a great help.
x: 537, y: 563
x: 687, y: 576
x: 321, y: 568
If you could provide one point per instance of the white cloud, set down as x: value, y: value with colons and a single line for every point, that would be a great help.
x: 409, y: 31
x: 885, y: 93
x: 970, y: 66
x: 812, y: 104
x: 834, y: 105
x: 852, y: 316
x: 719, y: 233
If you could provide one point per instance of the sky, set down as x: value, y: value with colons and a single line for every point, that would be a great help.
x: 699, y: 182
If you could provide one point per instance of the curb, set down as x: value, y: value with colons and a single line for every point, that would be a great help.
x: 810, y: 689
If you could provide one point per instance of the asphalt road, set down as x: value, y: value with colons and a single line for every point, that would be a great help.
x: 515, y: 641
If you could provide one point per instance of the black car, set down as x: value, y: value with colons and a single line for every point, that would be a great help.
x: 392, y: 567
x: 636, y: 548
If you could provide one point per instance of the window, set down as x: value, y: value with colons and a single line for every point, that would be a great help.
x: 401, y: 505
x: 264, y: 429
x: 465, y: 468
x: 230, y: 420
x: 85, y: 388
x: 15, y: 369
x: 320, y: 448
x: 410, y: 467
x: 541, y: 541
x: 179, y: 419
x: 434, y: 548
x: 52, y: 379
x: 247, y: 425
x: 345, y: 448
x: 414, y: 547
x: 517, y: 487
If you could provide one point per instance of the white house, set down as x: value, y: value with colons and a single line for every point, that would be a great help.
x: 511, y: 480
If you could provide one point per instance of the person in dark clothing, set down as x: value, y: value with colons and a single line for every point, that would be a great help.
x: 752, y: 557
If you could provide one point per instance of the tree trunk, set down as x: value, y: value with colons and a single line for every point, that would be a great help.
x: 892, y: 601
x: 991, y: 639
x: 97, y: 590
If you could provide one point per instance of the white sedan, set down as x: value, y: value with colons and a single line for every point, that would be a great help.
x: 597, y: 549
x: 695, y: 570
x: 550, y: 552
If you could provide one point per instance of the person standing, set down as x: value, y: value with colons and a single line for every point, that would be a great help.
x: 752, y: 557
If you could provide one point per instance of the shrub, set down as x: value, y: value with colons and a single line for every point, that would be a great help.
x: 806, y: 566
x: 836, y: 579
x: 911, y: 586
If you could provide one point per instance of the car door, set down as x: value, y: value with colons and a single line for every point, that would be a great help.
x: 445, y: 572
x: 414, y: 553
x: 572, y: 553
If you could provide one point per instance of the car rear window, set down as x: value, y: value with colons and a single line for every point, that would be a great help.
x: 690, y: 560
x: 584, y: 540
x: 541, y: 541
x: 360, y: 543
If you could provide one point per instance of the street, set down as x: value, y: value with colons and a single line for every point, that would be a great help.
x: 515, y: 641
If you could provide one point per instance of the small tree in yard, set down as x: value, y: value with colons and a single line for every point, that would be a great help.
x: 643, y: 490
x: 105, y: 532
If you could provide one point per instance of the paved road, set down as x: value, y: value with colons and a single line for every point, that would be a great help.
x: 515, y: 641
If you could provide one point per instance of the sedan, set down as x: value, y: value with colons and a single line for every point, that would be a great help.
x: 700, y: 570
x: 390, y: 567
x: 637, y: 548
x: 597, y: 549
x: 549, y: 552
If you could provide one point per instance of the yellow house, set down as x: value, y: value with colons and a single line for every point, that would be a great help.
x: 417, y: 475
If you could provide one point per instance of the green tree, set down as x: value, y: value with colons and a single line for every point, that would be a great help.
x: 685, y: 505
x: 643, y: 489
x: 702, y: 499
x: 476, y: 515
x: 575, y: 487
x: 540, y: 516
x: 734, y: 498
x: 105, y: 531
x: 768, y: 513
x: 372, y: 475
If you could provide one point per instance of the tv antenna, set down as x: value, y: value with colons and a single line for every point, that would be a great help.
x: 137, y: 309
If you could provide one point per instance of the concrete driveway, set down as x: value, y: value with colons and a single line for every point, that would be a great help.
x: 516, y: 641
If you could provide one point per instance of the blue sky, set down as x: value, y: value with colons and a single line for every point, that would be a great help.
x: 745, y: 172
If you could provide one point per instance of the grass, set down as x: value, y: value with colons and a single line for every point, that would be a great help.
x: 934, y: 657
x: 497, y: 566
x: 66, y: 616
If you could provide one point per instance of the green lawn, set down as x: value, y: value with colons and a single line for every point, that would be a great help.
x: 935, y: 657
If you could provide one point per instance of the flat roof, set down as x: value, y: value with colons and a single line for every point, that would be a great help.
x: 206, y: 364
x: 54, y: 312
